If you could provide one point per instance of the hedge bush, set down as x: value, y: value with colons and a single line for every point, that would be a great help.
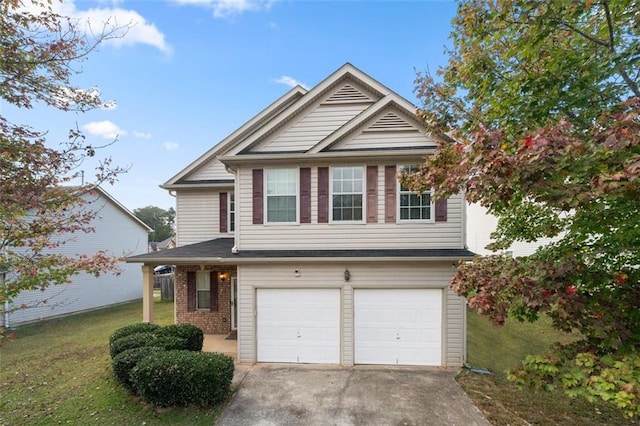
x: 140, y: 327
x: 135, y: 340
x: 147, y: 339
x: 193, y: 335
x: 123, y: 363
x: 183, y: 378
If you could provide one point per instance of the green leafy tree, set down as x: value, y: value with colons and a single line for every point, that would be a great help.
x: 158, y: 219
x: 38, y: 209
x: 542, y: 104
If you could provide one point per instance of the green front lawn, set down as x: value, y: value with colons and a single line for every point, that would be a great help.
x: 500, y: 349
x: 59, y: 372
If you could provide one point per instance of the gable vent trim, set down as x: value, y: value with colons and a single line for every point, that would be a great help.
x: 347, y: 94
x: 390, y: 121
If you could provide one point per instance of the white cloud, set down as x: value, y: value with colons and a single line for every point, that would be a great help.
x: 289, y: 81
x: 105, y: 129
x: 170, y: 146
x: 141, y: 135
x: 226, y: 8
x: 94, y: 20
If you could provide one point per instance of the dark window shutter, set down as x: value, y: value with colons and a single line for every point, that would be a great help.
x: 441, y: 210
x: 191, y: 291
x: 305, y: 195
x: 323, y: 194
x: 258, y: 200
x: 372, y: 194
x: 213, y: 293
x: 390, y: 194
x: 223, y: 212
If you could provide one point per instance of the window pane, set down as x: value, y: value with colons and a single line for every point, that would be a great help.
x: 282, y: 190
x: 413, y: 206
x: 204, y: 299
x: 347, y: 193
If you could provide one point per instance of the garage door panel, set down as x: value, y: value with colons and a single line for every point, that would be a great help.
x: 298, y: 325
x: 408, y: 330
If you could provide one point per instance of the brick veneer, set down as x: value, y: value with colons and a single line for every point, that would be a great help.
x: 210, y: 322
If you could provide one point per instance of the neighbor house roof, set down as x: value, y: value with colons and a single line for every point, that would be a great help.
x: 219, y: 250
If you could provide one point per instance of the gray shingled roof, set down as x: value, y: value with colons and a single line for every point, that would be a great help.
x: 219, y: 250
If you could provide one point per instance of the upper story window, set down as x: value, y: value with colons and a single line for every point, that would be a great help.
x: 281, y: 195
x: 412, y: 206
x: 347, y: 193
x: 232, y: 212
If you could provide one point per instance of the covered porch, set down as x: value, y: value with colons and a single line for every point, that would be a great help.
x: 221, y: 343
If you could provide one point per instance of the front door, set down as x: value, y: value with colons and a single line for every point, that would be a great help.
x: 234, y: 300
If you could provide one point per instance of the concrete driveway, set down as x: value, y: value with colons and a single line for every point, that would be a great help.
x: 271, y: 394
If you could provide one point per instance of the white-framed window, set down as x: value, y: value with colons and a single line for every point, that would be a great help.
x: 411, y: 206
x: 203, y: 290
x: 347, y: 194
x: 281, y: 195
x: 231, y: 212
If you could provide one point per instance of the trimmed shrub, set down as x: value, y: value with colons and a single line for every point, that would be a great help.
x: 192, y: 334
x: 123, y: 363
x: 147, y: 339
x: 130, y: 341
x: 183, y: 378
x: 140, y: 327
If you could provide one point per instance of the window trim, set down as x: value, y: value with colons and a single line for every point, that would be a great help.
x: 399, y: 193
x: 266, y: 196
x: 363, y: 194
x: 231, y: 225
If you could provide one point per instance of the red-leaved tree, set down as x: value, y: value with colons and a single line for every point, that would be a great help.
x: 39, y: 210
x: 542, y: 102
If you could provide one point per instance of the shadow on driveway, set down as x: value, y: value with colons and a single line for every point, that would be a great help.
x: 279, y: 394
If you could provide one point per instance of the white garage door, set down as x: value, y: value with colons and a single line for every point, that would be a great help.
x: 301, y: 325
x: 401, y: 327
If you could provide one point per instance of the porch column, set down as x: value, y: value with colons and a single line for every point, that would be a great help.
x: 147, y: 293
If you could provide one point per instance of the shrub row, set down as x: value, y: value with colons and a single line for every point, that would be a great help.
x: 178, y: 336
x: 165, y: 365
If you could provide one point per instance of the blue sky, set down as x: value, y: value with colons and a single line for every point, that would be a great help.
x: 189, y: 72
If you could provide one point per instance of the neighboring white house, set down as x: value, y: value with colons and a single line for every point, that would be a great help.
x: 118, y: 232
x: 295, y: 231
x: 481, y: 224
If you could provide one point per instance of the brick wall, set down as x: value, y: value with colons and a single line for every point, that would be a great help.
x: 210, y: 322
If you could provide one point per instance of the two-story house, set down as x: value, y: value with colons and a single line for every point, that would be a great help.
x: 295, y: 231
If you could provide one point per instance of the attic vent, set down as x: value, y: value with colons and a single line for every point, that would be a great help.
x: 390, y: 121
x: 347, y: 94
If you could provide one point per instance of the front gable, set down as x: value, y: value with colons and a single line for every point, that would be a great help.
x: 301, y: 129
x: 390, y: 128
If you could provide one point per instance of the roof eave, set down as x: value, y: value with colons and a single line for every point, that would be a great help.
x: 330, y: 155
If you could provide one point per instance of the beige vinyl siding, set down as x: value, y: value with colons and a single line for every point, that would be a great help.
x: 331, y: 275
x: 386, y: 139
x: 312, y: 128
x: 404, y: 235
x: 455, y: 329
x: 211, y: 170
x: 197, y: 216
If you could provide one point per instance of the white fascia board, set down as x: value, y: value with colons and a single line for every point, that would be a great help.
x: 329, y: 155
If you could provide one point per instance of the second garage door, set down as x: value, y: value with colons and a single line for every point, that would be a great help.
x: 398, y: 326
x: 298, y: 325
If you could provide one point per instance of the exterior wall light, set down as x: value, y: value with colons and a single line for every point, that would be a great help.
x: 223, y: 276
x: 347, y: 275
